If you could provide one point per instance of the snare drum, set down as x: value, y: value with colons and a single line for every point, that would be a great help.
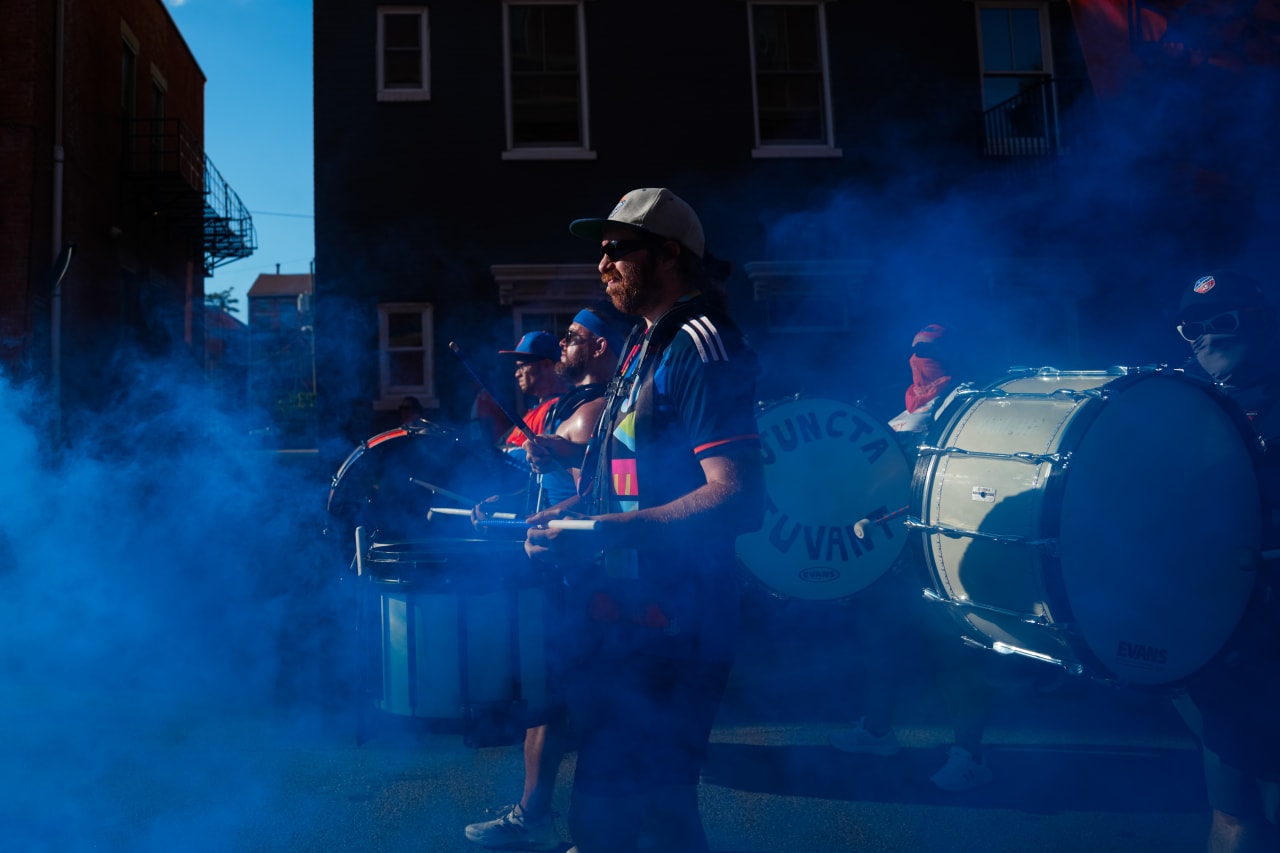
x: 388, y: 483
x: 462, y: 626
x: 827, y: 465
x: 1105, y: 521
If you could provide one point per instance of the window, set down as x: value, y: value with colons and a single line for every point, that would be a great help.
x: 1019, y: 101
x: 546, y: 78
x: 158, y: 89
x: 128, y: 91
x: 405, y: 339
x: 404, y: 57
x: 789, y: 79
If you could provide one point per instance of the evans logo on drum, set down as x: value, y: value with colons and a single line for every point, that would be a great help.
x: 1150, y: 655
x: 819, y: 575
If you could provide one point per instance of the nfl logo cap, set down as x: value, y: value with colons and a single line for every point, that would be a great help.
x: 655, y: 211
x: 1221, y: 290
x: 535, y: 346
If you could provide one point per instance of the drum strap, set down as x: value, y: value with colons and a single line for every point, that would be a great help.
x: 644, y: 348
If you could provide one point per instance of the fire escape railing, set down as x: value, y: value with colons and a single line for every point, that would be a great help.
x: 164, y: 158
x: 1025, y: 125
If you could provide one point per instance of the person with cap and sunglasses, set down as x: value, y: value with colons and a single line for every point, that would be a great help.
x: 588, y: 355
x: 1231, y: 704
x: 672, y: 475
x: 536, y: 356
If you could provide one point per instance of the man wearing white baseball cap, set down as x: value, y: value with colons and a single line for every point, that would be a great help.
x: 673, y: 474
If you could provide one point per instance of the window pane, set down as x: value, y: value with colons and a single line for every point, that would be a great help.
x: 406, y: 369
x: 997, y: 51
x: 786, y: 38
x: 404, y: 330
x: 401, y: 31
x: 1026, y: 40
x: 402, y: 70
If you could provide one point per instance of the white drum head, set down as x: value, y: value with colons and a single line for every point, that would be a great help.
x: 828, y: 465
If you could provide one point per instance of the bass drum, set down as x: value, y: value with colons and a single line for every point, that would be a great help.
x: 389, y: 482
x: 827, y: 466
x: 1105, y: 521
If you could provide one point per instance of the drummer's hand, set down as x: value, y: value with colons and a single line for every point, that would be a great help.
x: 485, y: 508
x: 548, y: 453
x: 569, y: 547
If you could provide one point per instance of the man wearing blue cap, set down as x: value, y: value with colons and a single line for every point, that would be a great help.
x: 673, y: 474
x: 536, y: 356
x: 588, y: 355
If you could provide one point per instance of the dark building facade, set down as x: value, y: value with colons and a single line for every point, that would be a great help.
x: 866, y: 168
x: 112, y: 214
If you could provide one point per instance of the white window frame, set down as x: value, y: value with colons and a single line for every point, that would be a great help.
x: 1032, y: 145
x: 423, y: 93
x: 390, y: 396
x: 548, y: 152
x: 764, y: 149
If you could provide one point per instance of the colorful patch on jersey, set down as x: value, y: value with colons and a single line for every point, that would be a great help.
x: 1204, y: 285
x: 625, y: 432
x: 625, y: 484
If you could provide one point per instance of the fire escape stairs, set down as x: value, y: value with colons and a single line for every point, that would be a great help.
x: 178, y: 184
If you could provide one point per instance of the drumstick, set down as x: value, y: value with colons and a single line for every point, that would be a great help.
x: 573, y: 524
x: 860, y: 526
x: 439, y: 490
x: 515, y: 419
x: 453, y: 510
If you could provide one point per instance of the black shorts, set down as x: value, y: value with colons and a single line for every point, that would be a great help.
x: 642, y: 722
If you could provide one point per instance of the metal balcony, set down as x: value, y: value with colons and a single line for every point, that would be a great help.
x: 165, y: 162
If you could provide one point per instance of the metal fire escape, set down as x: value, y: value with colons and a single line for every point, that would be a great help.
x: 177, y: 184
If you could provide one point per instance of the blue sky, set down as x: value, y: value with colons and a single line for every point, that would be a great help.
x: 256, y: 58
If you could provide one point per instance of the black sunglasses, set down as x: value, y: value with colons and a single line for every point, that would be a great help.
x: 616, y: 250
x: 1219, y: 324
x: 571, y: 338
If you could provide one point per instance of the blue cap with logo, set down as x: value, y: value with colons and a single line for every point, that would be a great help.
x: 535, y: 346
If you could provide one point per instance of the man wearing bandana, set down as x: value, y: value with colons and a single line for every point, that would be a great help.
x: 1231, y: 705
x: 892, y: 615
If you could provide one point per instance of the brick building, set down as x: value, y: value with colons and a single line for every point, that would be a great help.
x: 103, y: 174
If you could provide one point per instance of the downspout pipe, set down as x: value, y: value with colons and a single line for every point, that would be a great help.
x: 59, y: 157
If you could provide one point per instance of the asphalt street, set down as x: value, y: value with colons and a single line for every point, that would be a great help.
x: 1078, y: 768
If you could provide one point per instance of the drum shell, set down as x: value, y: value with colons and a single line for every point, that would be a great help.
x: 1082, y: 535
x: 462, y: 627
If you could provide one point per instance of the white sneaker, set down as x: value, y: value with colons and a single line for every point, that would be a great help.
x: 858, y: 739
x: 961, y: 772
x: 515, y: 830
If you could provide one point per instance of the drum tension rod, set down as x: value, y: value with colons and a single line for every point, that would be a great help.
x: 1020, y: 456
x: 1048, y: 545
x: 969, y: 604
